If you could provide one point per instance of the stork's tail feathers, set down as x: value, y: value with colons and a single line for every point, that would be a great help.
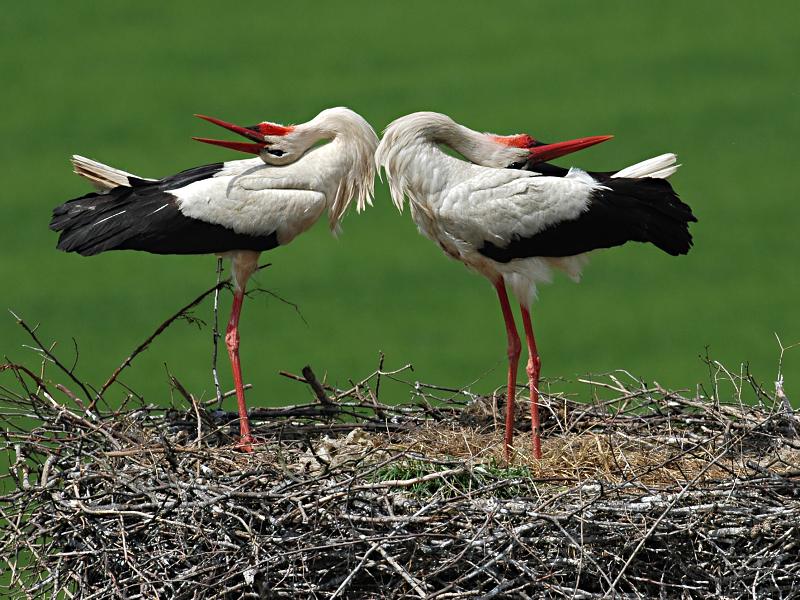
x: 658, y: 167
x: 101, y: 176
x: 649, y: 210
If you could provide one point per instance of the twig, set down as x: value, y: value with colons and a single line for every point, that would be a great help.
x: 69, y: 372
x: 143, y: 346
x: 315, y: 385
x: 215, y: 335
x: 279, y: 298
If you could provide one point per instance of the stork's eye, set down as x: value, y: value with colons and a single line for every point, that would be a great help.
x: 275, y: 152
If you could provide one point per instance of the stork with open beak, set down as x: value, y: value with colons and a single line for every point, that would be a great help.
x: 235, y: 209
x: 512, y: 217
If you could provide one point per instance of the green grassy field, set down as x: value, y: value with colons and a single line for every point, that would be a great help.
x: 715, y: 82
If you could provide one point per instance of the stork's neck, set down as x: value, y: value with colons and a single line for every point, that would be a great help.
x: 350, y: 156
x: 419, y: 171
x: 478, y: 148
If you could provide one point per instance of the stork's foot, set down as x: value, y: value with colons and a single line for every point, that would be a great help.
x: 245, y: 444
x: 246, y: 440
x: 251, y: 443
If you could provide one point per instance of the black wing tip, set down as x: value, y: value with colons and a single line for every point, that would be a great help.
x: 669, y: 217
x: 80, y: 244
x: 679, y: 249
x: 675, y: 240
x: 57, y: 222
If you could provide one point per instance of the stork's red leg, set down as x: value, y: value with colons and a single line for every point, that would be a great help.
x: 232, y: 342
x: 513, y: 363
x: 533, y: 369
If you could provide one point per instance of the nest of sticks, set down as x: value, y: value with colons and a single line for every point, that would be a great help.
x: 642, y: 492
x: 650, y: 493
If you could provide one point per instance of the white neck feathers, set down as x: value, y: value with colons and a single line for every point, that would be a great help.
x: 356, y: 142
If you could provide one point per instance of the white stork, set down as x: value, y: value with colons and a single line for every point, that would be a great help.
x: 511, y: 217
x: 235, y: 209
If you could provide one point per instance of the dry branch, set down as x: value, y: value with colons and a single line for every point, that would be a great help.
x: 183, y: 312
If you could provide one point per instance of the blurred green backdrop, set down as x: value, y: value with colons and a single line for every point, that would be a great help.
x: 717, y: 82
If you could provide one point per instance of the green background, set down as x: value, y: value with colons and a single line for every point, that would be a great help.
x: 716, y: 82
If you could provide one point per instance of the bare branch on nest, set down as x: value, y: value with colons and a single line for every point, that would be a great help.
x: 180, y: 314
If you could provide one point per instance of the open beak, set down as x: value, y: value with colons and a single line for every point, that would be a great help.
x: 541, y: 151
x: 253, y: 133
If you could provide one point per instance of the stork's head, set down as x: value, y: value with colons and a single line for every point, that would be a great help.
x: 537, y: 151
x: 276, y: 144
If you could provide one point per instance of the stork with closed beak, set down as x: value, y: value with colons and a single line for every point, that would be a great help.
x: 507, y: 214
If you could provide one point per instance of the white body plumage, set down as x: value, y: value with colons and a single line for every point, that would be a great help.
x: 460, y: 205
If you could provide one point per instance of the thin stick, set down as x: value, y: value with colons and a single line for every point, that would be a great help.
x: 215, y: 335
x: 143, y: 346
x: 51, y: 356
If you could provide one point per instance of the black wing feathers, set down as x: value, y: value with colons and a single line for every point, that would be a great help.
x: 627, y: 209
x: 145, y: 217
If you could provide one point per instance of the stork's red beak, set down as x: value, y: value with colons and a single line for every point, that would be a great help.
x: 541, y: 152
x: 253, y: 132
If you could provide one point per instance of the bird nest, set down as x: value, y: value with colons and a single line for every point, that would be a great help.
x: 645, y: 493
